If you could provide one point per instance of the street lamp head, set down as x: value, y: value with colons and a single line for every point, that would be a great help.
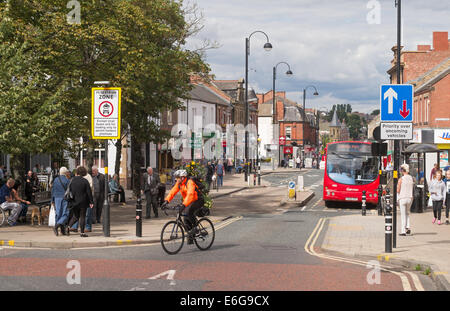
x: 267, y: 46
x: 289, y: 73
x: 315, y: 93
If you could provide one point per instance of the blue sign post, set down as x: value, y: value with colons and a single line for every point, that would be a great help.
x: 396, y: 102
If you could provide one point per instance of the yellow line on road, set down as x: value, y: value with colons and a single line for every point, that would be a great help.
x: 309, y: 248
x: 416, y: 281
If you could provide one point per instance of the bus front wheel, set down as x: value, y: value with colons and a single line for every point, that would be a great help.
x: 330, y: 204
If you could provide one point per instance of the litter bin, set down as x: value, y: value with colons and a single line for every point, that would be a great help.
x: 417, y: 205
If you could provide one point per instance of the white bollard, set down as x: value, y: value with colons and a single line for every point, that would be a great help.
x: 300, y: 184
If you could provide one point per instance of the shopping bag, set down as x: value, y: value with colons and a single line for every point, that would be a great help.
x: 52, y: 216
x: 430, y: 202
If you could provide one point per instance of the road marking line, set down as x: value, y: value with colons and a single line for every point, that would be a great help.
x: 309, y: 248
x: 416, y: 281
x: 317, y: 203
x: 227, y: 222
x: 311, y: 237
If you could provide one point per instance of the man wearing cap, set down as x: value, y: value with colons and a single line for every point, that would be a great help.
x: 405, y: 198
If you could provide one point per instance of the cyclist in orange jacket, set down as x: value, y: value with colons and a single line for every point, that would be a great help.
x: 192, y: 199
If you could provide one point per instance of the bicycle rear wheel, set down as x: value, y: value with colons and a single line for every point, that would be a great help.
x: 2, y: 216
x: 172, y: 237
x: 205, y: 235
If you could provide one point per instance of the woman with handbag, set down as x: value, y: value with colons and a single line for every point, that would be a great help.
x: 60, y: 185
x: 82, y: 199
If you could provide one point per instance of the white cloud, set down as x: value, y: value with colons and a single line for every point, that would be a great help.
x: 327, y: 43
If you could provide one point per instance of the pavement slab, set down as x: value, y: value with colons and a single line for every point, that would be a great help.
x: 428, y: 245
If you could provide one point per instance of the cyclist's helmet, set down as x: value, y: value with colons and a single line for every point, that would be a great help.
x: 180, y: 173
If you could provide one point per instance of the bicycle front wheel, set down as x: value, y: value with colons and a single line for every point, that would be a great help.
x: 205, y: 235
x: 172, y: 237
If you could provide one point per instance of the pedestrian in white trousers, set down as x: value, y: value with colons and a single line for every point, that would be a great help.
x: 405, y: 198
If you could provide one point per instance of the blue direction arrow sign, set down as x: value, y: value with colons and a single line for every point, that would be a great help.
x: 291, y: 185
x: 396, y: 102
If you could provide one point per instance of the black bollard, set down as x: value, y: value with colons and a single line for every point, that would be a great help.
x: 363, y: 208
x: 259, y: 173
x: 388, y: 223
x: 380, y: 193
x: 139, y: 217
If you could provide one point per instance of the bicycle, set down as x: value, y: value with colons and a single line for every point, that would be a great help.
x: 173, y: 232
x: 3, y: 216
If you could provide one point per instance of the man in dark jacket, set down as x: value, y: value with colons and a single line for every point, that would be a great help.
x: 98, y: 181
x: 151, y: 191
x: 82, y: 199
x: 31, y: 185
x: 209, y: 174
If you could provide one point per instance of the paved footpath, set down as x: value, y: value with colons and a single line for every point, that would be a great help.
x: 363, y: 236
x: 228, y: 208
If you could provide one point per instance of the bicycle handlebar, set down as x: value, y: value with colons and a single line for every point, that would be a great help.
x: 178, y: 207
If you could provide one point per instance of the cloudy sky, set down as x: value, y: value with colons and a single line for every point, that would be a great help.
x: 329, y: 44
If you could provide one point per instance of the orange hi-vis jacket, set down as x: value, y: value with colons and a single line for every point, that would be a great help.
x: 188, y: 192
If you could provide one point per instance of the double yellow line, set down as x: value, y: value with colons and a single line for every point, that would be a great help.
x: 309, y: 248
x: 7, y: 243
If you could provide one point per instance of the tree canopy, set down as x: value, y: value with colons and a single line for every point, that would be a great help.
x: 342, y: 110
x: 48, y: 66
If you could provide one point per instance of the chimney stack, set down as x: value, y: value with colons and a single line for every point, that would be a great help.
x: 440, y: 40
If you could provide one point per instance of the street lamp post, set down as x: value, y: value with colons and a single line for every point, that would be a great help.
x: 304, y: 114
x: 267, y: 47
x: 274, y: 108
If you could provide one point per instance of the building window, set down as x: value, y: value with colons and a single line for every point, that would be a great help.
x: 288, y: 132
x: 204, y: 116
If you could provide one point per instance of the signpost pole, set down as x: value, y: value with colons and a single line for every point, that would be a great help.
x: 106, y: 210
x: 396, y: 142
x: 106, y: 126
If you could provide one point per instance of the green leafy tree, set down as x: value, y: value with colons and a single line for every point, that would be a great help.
x: 354, y: 125
x: 48, y: 66
x: 342, y: 110
x: 375, y: 112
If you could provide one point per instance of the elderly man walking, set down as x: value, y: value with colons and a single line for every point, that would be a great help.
x: 98, y: 181
x: 150, y: 189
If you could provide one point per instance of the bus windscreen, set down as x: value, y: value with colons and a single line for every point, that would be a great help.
x: 351, y: 164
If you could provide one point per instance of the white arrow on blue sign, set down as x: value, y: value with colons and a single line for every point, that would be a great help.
x: 396, y: 102
x: 291, y: 185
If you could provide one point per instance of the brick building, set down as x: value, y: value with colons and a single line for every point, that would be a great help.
x: 428, y: 70
x: 300, y: 127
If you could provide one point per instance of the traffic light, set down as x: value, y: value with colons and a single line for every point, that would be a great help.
x: 379, y: 149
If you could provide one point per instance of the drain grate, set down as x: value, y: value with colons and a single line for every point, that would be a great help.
x: 278, y: 247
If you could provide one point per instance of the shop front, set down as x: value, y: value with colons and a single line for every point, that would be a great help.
x: 442, y: 142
